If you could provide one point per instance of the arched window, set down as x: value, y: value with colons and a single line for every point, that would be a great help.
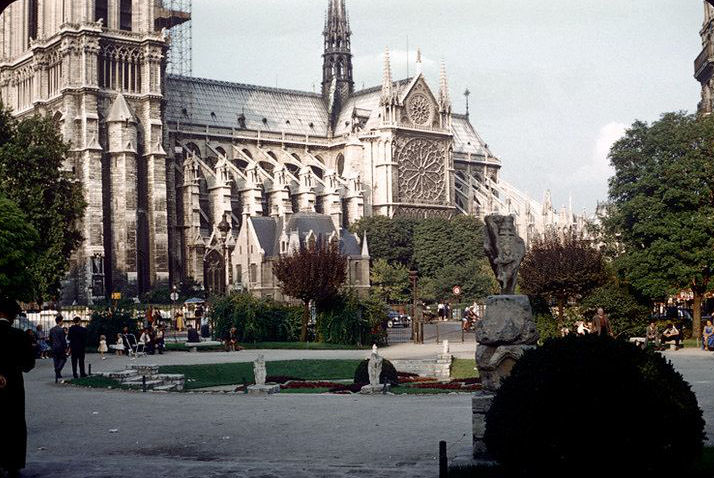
x: 101, y: 11
x: 340, y: 164
x: 247, y: 153
x: 32, y: 14
x: 221, y: 152
x: 194, y: 149
x: 125, y: 15
x: 272, y: 155
x: 317, y: 171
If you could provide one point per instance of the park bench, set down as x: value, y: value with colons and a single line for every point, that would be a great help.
x: 194, y: 346
x: 639, y: 341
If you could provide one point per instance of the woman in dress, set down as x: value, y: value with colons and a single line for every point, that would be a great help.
x: 102, y: 346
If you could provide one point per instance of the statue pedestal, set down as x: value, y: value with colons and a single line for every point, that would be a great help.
x: 505, y: 333
x: 373, y: 389
x: 266, y: 389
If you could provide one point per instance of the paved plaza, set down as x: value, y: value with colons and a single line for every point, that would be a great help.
x: 77, y: 432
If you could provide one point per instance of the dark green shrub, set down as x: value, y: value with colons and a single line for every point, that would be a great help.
x: 388, y: 375
x: 594, y: 405
x: 109, y: 324
x: 257, y: 320
x: 350, y: 320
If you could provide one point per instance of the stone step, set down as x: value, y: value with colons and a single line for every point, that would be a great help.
x: 144, y: 369
x: 170, y: 377
x: 166, y: 388
x: 121, y: 375
x: 149, y: 383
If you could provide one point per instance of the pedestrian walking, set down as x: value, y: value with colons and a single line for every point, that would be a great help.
x: 58, y: 343
x: 16, y: 357
x: 601, y: 324
x: 77, y: 347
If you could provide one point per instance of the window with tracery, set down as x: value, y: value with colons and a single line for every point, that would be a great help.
x: 120, y: 69
x: 125, y: 15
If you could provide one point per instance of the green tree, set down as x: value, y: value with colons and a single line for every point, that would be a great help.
x: 17, y: 252
x: 662, y: 208
x: 441, y: 242
x: 561, y: 268
x: 390, y: 282
x: 32, y: 156
x: 314, y: 273
x: 474, y: 277
x: 389, y: 239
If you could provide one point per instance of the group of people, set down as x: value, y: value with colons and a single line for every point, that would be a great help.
x: 599, y: 325
x: 671, y: 335
x: 470, y: 317
x: 65, y: 343
x: 151, y: 340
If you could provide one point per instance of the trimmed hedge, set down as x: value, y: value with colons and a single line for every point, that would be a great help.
x: 595, y: 405
x: 110, y: 324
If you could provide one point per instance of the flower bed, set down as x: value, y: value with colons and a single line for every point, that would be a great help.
x: 416, y: 379
x: 282, y: 379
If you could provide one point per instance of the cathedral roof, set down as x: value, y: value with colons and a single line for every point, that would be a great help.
x: 233, y: 105
x: 466, y: 139
x: 269, y: 229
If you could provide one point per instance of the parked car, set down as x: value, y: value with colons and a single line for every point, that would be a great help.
x: 395, y: 319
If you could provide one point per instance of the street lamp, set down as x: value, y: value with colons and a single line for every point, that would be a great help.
x: 416, y: 317
x: 224, y: 228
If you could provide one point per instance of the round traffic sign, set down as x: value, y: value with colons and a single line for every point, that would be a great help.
x: 457, y: 290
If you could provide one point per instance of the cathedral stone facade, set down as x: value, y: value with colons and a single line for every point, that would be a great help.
x: 189, y: 178
x: 704, y: 64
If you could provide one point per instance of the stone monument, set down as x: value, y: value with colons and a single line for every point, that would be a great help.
x: 374, y: 369
x: 507, y: 329
x: 259, y: 371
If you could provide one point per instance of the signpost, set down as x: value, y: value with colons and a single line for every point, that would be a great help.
x: 116, y: 297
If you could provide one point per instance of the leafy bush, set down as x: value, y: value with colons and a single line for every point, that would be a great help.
x: 388, y: 375
x: 592, y: 403
x: 351, y: 320
x: 628, y: 315
x: 256, y: 320
x: 109, y: 324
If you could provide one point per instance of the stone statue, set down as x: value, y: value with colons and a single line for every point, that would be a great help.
x: 505, y: 250
x: 374, y: 368
x: 259, y: 370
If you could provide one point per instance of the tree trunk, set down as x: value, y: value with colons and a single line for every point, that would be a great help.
x: 697, y: 319
x: 305, y: 320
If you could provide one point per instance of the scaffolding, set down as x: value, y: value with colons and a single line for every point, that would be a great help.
x: 175, y: 16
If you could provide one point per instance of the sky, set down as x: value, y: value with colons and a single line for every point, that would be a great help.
x: 553, y: 82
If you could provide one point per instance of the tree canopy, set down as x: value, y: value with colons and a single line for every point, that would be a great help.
x: 17, y: 252
x: 446, y: 253
x: 662, y: 206
x: 560, y: 268
x: 32, y: 156
x: 314, y: 273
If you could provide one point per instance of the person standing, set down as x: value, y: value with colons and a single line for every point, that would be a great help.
x: 16, y: 357
x: 601, y: 324
x: 58, y: 342
x: 77, y: 346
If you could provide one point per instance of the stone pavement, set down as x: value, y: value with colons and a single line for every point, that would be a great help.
x: 218, y: 435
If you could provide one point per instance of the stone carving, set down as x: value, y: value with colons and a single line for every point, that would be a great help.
x: 507, y: 329
x: 421, y: 172
x: 259, y: 370
x: 374, y: 368
x: 510, y: 322
x: 505, y: 250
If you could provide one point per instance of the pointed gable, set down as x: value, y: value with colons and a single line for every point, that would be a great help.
x: 421, y: 107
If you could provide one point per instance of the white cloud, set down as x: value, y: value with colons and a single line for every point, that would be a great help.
x: 598, y: 170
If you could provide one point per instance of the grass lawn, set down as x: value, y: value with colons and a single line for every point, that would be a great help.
x: 704, y: 470
x: 174, y: 347
x: 463, y: 368
x: 200, y: 376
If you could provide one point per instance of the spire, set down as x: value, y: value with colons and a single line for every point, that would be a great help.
x: 419, y: 66
x: 337, y: 57
x: 444, y: 97
x: 387, y: 78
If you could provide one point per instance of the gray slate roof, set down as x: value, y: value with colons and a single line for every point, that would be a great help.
x: 268, y: 230
x: 220, y: 103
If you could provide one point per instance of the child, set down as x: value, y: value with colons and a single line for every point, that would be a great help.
x: 119, y: 347
x: 103, y: 346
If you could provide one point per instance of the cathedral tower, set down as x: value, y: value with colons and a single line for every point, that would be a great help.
x: 704, y: 64
x: 337, y: 80
x: 96, y: 67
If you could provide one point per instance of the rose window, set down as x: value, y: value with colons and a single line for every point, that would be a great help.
x: 419, y: 109
x: 421, y: 171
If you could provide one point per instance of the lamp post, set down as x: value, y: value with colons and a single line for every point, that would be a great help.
x: 224, y: 228
x: 416, y: 322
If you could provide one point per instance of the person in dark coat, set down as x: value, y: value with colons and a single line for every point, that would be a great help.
x: 16, y: 357
x: 58, y: 343
x: 77, y: 346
